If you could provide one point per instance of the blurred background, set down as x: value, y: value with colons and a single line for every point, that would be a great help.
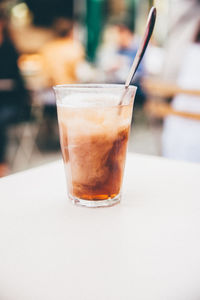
x: 48, y: 42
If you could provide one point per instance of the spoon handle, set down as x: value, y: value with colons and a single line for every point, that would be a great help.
x: 143, y: 45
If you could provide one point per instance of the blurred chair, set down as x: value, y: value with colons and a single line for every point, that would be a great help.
x: 158, y: 107
x: 25, y: 135
x: 158, y: 91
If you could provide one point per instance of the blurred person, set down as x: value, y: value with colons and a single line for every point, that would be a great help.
x: 117, y: 62
x: 154, y: 59
x: 61, y: 58
x: 62, y: 55
x: 183, y: 18
x: 106, y: 54
x: 181, y: 136
x: 13, y: 96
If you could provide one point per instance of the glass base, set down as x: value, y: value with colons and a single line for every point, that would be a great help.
x: 95, y: 203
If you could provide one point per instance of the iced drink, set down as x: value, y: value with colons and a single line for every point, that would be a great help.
x: 94, y: 133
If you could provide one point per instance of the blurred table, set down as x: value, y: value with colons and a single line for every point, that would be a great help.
x: 145, y: 248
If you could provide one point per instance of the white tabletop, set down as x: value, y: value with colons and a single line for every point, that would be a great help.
x: 146, y: 248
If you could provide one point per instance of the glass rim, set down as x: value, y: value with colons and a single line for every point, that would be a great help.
x: 89, y: 86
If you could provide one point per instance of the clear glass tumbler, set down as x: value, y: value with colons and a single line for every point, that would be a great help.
x: 94, y: 131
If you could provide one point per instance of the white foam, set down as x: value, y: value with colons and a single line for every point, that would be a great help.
x: 89, y: 100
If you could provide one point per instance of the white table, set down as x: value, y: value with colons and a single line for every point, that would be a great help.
x: 146, y: 248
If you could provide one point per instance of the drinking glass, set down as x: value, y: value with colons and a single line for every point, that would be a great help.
x: 94, y: 130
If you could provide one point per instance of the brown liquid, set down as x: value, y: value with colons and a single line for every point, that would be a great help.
x: 94, y: 161
x: 107, y: 182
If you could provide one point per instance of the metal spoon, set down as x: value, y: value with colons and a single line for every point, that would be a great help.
x: 141, y: 50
